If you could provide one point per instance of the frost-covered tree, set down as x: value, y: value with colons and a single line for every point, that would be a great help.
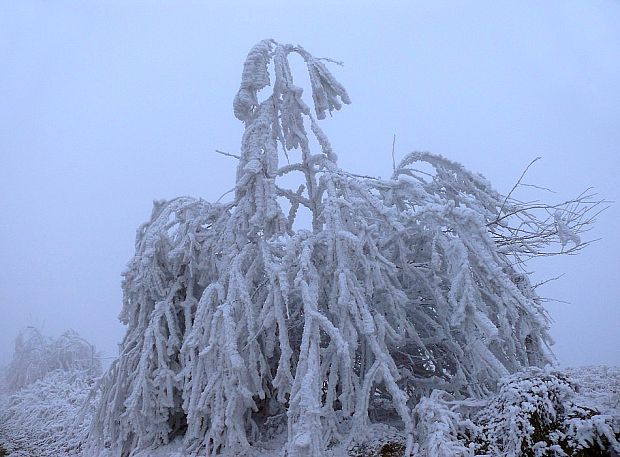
x: 36, y: 355
x: 242, y: 324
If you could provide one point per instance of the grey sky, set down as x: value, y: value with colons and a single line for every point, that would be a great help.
x: 105, y: 106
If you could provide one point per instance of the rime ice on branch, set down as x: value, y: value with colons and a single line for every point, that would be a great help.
x: 240, y: 326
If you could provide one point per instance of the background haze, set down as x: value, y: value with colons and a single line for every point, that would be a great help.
x: 106, y: 106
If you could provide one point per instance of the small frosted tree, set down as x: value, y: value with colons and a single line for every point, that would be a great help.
x: 241, y: 324
x: 36, y: 355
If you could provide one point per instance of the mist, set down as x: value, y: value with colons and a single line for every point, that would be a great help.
x: 107, y: 107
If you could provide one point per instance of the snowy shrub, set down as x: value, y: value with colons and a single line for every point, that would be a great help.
x: 49, y: 417
x: 36, y: 355
x: 242, y: 324
x: 534, y: 414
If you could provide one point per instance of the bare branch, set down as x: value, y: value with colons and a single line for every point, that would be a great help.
x: 228, y: 154
x: 517, y: 183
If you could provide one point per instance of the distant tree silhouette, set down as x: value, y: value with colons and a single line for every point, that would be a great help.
x: 37, y: 355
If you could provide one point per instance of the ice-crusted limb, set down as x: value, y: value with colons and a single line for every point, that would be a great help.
x: 441, y: 430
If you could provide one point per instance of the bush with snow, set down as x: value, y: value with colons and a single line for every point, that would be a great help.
x: 36, y: 355
x: 49, y: 397
x: 535, y: 414
x: 49, y: 417
x: 241, y: 322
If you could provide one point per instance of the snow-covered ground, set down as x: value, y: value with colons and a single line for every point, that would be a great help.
x: 598, y: 388
x: 48, y: 418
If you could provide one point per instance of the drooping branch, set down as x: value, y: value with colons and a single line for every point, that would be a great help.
x: 242, y: 326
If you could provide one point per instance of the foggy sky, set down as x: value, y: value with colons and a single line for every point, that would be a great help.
x: 106, y: 106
